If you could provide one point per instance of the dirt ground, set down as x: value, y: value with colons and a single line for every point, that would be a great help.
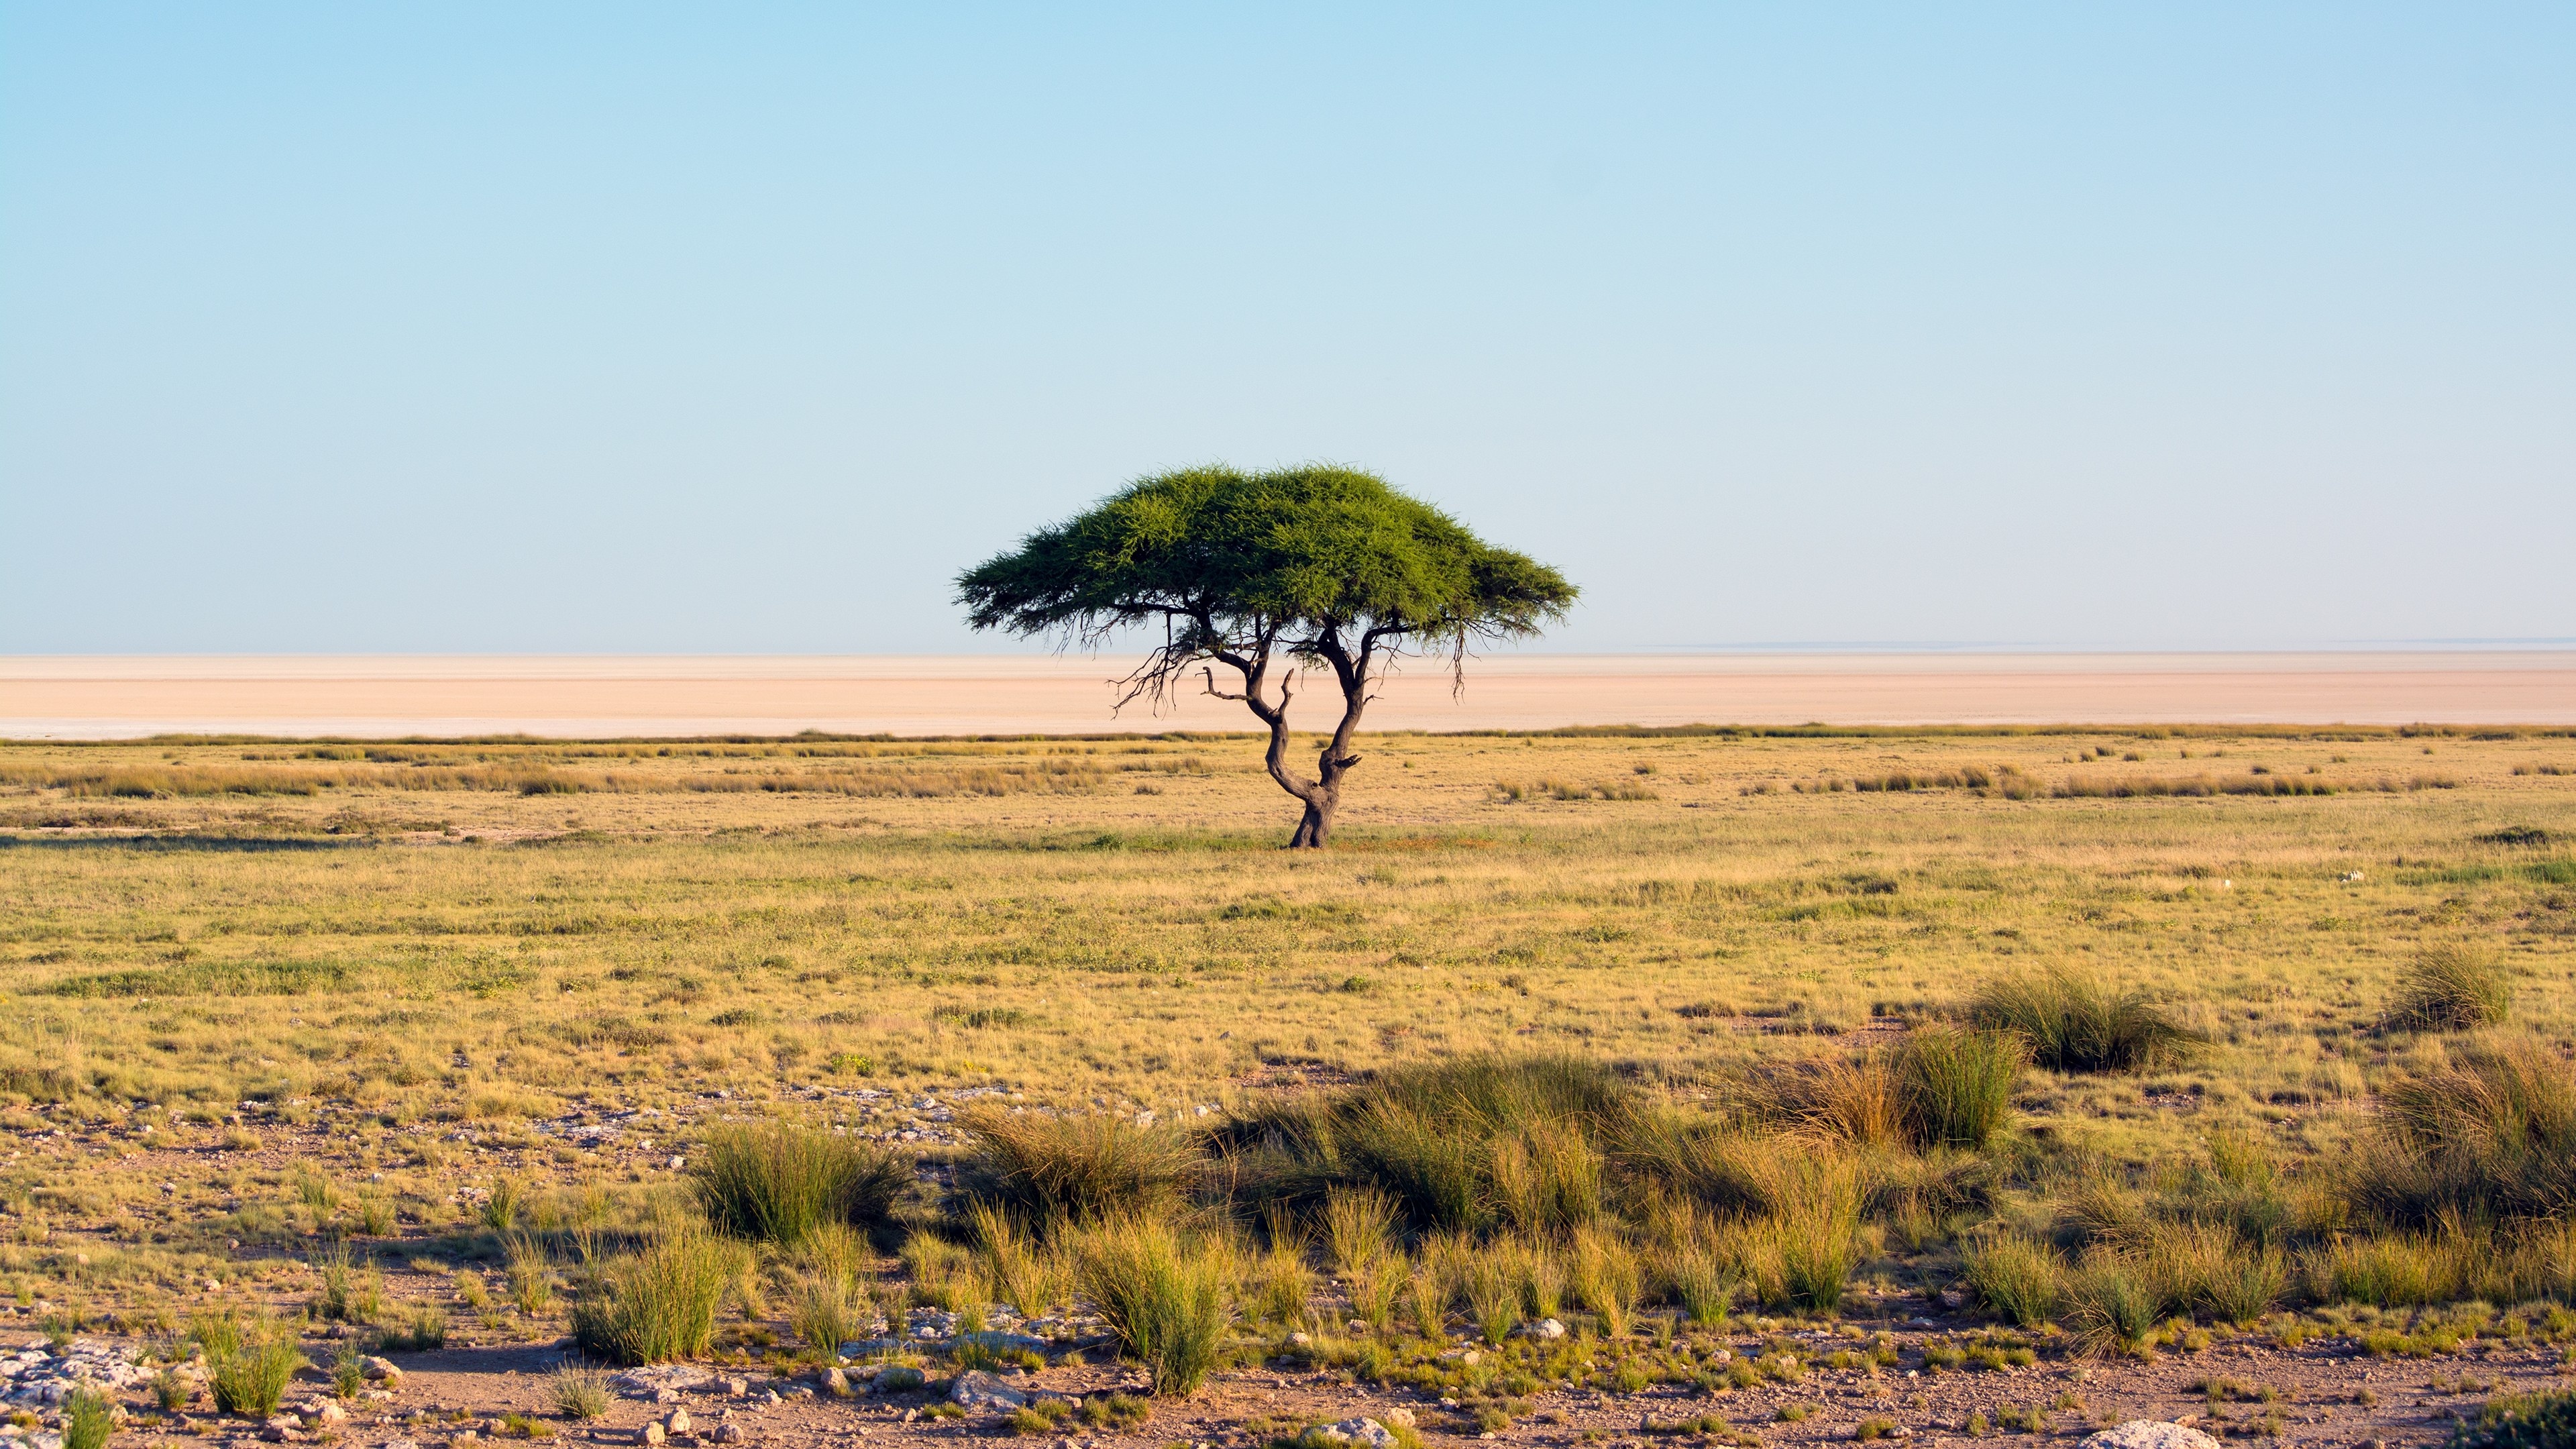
x: 2324, y: 1392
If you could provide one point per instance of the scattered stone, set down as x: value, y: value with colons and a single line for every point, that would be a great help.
x: 976, y: 1389
x: 1358, y: 1433
x: 1547, y: 1328
x: 653, y: 1433
x: 282, y: 1429
x: 678, y: 1423
x: 1301, y: 1340
x: 2149, y: 1434
x: 660, y: 1379
x: 730, y: 1434
x: 384, y: 1371
x: 836, y: 1383
x: 736, y: 1387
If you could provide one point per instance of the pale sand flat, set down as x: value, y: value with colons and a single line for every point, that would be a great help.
x: 102, y: 697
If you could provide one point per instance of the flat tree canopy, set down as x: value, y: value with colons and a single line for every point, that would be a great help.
x: 1268, y: 574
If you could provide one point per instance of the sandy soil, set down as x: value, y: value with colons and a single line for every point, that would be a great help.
x: 72, y: 697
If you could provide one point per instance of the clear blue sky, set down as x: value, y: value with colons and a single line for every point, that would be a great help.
x: 743, y: 327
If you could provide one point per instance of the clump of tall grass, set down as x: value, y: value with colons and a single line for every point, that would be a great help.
x: 1493, y: 1297
x: 1359, y: 1224
x: 1803, y: 1249
x: 1051, y: 1172
x: 1460, y: 1145
x: 2545, y: 1420
x: 2018, y: 1276
x: 2073, y: 1023
x: 1603, y: 1274
x: 659, y: 1303
x: 1164, y: 1297
x: 2205, y: 1268
x: 2389, y: 1271
x: 1547, y: 1177
x: 2450, y: 988
x: 248, y: 1366
x: 2492, y: 1135
x: 1279, y: 1284
x: 1956, y: 1087
x: 88, y: 1419
x: 2110, y: 1306
x: 781, y: 1182
x: 1027, y: 1274
x: 826, y: 1312
x: 579, y: 1392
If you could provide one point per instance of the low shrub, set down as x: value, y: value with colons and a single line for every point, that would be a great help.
x: 659, y: 1303
x: 1051, y: 1172
x: 2450, y: 988
x: 2074, y: 1023
x: 779, y: 1183
x: 1163, y: 1298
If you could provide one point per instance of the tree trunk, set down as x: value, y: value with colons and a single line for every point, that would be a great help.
x: 1313, y: 830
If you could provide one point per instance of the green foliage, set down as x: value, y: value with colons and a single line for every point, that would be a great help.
x: 780, y: 1183
x: 1459, y: 1145
x: 1211, y: 549
x: 659, y: 1303
x: 826, y: 1313
x: 2451, y: 988
x: 1164, y: 1298
x: 2074, y: 1023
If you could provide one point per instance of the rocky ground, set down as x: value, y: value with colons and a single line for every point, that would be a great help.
x: 2326, y: 1390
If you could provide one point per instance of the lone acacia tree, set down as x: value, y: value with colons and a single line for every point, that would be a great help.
x: 1269, y: 574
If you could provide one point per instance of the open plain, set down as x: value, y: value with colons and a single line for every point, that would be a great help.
x: 403, y: 1047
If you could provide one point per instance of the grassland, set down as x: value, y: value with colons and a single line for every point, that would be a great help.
x: 276, y: 989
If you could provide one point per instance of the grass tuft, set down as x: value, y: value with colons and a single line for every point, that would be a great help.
x: 1052, y: 1172
x: 657, y: 1304
x: 780, y: 1183
x: 2450, y: 988
x: 2074, y: 1023
x: 1164, y: 1297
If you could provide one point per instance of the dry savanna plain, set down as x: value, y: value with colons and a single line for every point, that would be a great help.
x: 1593, y: 1087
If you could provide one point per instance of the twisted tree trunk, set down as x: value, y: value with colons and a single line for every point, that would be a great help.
x: 1322, y: 796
